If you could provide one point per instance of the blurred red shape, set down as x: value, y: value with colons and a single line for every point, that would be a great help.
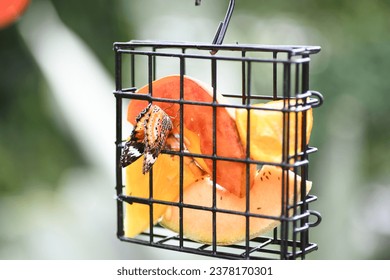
x: 11, y: 10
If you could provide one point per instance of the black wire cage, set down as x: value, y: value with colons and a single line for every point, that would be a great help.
x: 261, y: 73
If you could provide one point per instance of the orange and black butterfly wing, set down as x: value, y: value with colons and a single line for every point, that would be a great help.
x: 135, y: 146
x: 157, y: 128
x: 132, y: 151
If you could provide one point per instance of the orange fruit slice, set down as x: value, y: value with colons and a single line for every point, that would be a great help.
x: 265, y: 199
x: 198, y: 121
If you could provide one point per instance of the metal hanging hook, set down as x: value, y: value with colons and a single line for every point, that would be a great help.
x: 223, y: 25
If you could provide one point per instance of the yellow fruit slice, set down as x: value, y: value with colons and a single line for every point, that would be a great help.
x: 192, y: 143
x: 266, y: 130
x: 165, y: 187
x: 265, y: 199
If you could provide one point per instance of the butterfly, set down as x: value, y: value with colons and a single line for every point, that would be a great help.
x: 148, y: 137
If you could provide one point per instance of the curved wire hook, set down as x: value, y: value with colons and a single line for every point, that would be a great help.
x: 223, y: 25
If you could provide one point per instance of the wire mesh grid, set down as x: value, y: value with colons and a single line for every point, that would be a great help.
x: 263, y: 73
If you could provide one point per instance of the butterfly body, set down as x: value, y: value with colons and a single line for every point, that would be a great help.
x: 148, y: 137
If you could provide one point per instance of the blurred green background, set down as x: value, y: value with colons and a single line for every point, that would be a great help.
x: 57, y: 117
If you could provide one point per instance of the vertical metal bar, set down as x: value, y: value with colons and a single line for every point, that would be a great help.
x: 214, y: 86
x: 275, y: 234
x: 154, y: 64
x: 296, y: 115
x: 275, y: 76
x: 132, y: 68
x: 181, y: 218
x: 295, y: 159
x: 118, y: 148
x: 249, y: 83
x: 304, y: 170
x: 287, y: 114
x: 285, y: 154
x: 183, y: 51
x: 151, y: 203
x: 247, y: 179
x: 243, y: 79
x: 150, y: 73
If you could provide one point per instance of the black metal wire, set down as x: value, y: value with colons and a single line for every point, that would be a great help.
x: 291, y: 239
x: 118, y: 142
x: 222, y: 27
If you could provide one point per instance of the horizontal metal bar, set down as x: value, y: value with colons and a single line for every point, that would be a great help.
x: 148, y: 97
x: 202, y: 250
x: 149, y: 201
x: 290, y: 49
x: 293, y: 60
x: 297, y: 163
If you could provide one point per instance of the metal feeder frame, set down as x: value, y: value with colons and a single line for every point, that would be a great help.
x: 290, y: 81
